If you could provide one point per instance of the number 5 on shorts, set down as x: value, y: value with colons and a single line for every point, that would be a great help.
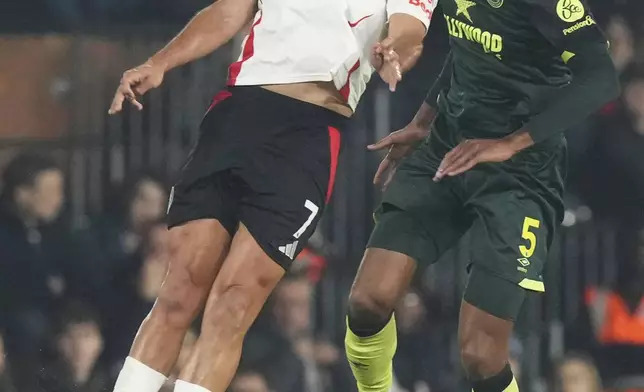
x: 528, y: 234
x: 309, y: 205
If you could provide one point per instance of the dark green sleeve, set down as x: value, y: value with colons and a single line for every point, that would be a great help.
x: 441, y: 83
x: 571, y: 28
x: 594, y: 83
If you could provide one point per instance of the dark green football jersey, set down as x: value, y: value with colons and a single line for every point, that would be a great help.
x: 509, y: 59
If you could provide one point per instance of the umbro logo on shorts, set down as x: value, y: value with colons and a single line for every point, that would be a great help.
x: 289, y: 250
x: 524, y: 262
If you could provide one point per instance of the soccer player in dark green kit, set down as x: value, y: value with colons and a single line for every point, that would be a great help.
x: 485, y: 153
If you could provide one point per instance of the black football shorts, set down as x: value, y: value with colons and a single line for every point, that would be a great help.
x: 512, y: 210
x: 265, y: 160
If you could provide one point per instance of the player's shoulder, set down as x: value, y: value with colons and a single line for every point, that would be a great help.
x: 568, y: 11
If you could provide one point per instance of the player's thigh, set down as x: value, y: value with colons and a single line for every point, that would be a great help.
x: 510, y: 241
x: 198, y: 249
x: 418, y: 217
x: 201, y: 217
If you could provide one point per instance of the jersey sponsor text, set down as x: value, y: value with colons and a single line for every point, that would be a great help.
x: 491, y: 43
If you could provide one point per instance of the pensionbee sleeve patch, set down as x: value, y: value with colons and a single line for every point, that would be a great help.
x: 570, y: 10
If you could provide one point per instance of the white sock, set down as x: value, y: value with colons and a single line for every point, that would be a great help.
x: 138, y: 377
x: 182, y: 386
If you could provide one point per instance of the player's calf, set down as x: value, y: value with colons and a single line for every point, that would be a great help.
x: 370, y: 341
x: 490, y: 306
x: 240, y: 291
x: 198, y: 249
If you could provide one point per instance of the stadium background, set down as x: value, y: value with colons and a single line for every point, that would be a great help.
x: 97, y: 266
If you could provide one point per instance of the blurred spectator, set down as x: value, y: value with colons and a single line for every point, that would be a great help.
x: 612, y: 172
x: 576, y: 373
x: 612, y: 326
x: 285, y: 340
x: 6, y: 385
x: 422, y: 360
x: 105, y: 251
x: 133, y: 292
x: 138, y: 203
x: 607, y: 158
x: 78, y: 345
x: 622, y: 47
x: 30, y: 280
x: 634, y: 98
x: 249, y: 381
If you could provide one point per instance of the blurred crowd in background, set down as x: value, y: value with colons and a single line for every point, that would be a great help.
x: 83, y: 252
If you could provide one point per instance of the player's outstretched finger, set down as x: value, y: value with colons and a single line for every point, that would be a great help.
x: 447, y: 161
x: 382, y: 168
x: 393, y: 75
x: 117, y: 103
x: 392, y: 85
x: 385, y: 142
x: 457, y: 165
x: 126, y: 90
x: 390, y: 176
x: 134, y: 102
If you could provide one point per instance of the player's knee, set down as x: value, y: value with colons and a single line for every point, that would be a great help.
x: 229, y: 312
x: 369, y: 309
x: 180, y: 296
x: 171, y: 309
x: 482, y: 357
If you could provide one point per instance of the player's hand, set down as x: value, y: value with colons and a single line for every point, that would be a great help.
x: 387, y: 63
x: 400, y: 144
x: 136, y: 82
x: 469, y: 153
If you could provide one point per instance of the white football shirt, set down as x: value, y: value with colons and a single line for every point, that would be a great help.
x: 295, y: 41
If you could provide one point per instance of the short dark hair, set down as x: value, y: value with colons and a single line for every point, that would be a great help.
x: 76, y: 312
x: 123, y: 194
x: 23, y: 170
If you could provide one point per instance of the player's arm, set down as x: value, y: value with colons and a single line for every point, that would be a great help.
x: 569, y: 26
x: 408, y: 21
x: 402, y: 142
x: 428, y: 110
x: 418, y: 128
x: 408, y: 24
x: 211, y: 28
x: 405, y: 36
x: 426, y: 114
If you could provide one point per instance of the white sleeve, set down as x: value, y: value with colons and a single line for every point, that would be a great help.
x: 420, y: 9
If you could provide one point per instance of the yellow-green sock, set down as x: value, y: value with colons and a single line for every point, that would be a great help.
x: 513, y: 387
x: 371, y: 358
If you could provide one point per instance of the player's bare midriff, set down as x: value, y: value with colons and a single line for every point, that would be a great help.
x: 323, y: 94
